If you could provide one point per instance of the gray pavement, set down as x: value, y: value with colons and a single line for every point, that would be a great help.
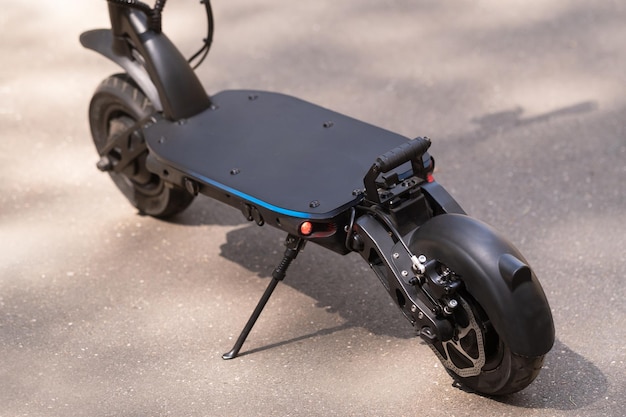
x: 107, y: 313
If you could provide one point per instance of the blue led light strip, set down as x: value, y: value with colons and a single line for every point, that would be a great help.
x: 260, y: 203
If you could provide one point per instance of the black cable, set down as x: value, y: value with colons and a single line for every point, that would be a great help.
x: 349, y: 230
x: 159, y: 5
x: 204, y: 50
x: 155, y: 23
x: 154, y: 15
x: 135, y: 4
x: 376, y: 212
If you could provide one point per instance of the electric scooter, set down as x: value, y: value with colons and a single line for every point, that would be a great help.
x: 324, y: 178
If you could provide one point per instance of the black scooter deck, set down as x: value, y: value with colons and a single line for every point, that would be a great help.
x: 277, y: 151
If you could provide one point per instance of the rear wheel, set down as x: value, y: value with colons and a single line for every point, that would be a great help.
x: 494, y: 302
x: 115, y: 107
x: 478, y: 358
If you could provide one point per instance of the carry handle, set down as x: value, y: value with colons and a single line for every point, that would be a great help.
x: 412, y: 151
x: 406, y: 152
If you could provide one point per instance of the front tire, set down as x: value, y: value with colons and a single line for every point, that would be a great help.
x: 116, y: 106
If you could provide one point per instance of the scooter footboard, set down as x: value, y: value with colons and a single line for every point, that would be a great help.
x: 280, y: 152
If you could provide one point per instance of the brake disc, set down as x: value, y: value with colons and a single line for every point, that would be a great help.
x: 455, y: 343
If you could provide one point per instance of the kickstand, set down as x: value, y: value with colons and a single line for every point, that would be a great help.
x: 294, y: 245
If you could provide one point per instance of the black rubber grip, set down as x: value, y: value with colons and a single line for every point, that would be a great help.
x: 404, y: 153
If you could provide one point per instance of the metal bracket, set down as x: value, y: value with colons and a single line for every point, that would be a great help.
x: 413, y: 151
x: 129, y: 149
x: 399, y: 271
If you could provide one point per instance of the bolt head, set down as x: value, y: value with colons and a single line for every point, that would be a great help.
x: 104, y: 164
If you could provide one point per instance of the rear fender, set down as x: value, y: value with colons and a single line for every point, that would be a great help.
x: 496, y: 274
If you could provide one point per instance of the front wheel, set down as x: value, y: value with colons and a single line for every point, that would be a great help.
x: 117, y: 104
x: 502, y: 323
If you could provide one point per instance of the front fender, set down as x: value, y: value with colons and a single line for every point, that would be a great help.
x: 496, y: 274
x: 101, y: 41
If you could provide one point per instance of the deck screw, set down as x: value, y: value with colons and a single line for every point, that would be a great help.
x: 314, y: 204
x: 235, y: 171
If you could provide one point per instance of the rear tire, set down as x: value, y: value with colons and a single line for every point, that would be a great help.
x: 501, y: 372
x: 118, y: 104
x: 495, y: 314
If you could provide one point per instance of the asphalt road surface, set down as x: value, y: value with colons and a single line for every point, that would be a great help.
x: 104, y: 312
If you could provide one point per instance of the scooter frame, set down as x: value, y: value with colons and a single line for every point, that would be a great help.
x: 399, y: 209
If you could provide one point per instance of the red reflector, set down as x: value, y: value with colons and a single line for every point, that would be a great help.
x: 306, y: 228
x: 430, y: 178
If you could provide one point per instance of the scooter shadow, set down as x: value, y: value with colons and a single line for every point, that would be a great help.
x: 345, y: 285
x: 205, y: 212
x: 567, y: 381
